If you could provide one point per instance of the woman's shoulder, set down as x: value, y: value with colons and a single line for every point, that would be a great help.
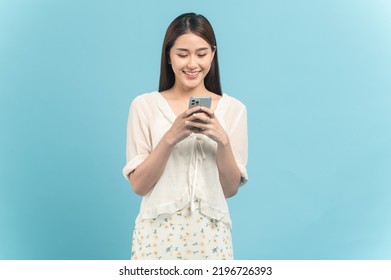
x: 232, y: 102
x: 145, y: 99
x: 144, y: 103
x: 146, y: 96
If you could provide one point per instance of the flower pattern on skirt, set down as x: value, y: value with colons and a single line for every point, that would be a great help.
x: 182, y: 235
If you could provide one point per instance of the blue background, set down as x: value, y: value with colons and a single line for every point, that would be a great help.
x: 315, y: 76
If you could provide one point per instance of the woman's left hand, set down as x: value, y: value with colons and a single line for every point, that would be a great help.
x: 206, y: 123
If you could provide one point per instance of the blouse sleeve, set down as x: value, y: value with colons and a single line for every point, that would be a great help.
x: 239, y: 143
x: 138, y: 140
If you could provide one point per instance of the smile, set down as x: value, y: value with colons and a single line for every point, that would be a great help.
x: 191, y: 75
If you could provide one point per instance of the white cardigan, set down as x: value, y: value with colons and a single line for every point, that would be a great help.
x: 191, y: 171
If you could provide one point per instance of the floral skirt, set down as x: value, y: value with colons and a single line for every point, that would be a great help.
x: 182, y: 235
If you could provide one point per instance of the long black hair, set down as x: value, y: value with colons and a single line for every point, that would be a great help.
x: 200, y: 26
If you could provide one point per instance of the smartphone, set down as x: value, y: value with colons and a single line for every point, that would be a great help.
x: 204, y: 101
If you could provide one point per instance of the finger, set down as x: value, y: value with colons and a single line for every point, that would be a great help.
x: 193, y: 129
x: 197, y: 125
x: 191, y: 111
x: 207, y: 111
x: 202, y: 117
x: 193, y: 124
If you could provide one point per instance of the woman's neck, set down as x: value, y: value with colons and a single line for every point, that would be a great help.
x: 179, y: 92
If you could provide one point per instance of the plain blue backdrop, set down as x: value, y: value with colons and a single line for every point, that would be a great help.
x: 316, y: 79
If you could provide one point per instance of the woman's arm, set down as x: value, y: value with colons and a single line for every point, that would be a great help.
x: 145, y: 176
x: 229, y: 173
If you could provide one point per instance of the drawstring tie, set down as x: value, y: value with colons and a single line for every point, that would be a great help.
x: 198, y: 155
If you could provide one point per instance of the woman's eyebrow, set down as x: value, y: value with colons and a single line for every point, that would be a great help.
x: 186, y: 50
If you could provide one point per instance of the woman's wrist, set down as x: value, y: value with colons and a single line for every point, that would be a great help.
x: 224, y: 141
x: 169, y: 139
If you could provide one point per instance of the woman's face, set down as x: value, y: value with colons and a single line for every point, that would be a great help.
x: 190, y: 58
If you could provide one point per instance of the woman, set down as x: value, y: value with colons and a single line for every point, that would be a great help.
x: 186, y: 162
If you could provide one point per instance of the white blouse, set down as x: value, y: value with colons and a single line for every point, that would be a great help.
x: 191, y: 171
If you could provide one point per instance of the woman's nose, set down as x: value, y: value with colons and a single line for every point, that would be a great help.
x: 191, y: 64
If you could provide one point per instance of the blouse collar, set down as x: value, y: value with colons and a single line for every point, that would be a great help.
x: 170, y: 115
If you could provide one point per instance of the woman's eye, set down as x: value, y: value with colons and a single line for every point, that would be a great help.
x: 201, y: 54
x: 182, y: 55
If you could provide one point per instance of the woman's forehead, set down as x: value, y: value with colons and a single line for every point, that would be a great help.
x: 190, y: 41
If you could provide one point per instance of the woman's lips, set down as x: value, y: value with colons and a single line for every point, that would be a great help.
x: 191, y: 75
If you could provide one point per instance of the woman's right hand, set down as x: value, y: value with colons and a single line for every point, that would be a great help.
x: 180, y: 129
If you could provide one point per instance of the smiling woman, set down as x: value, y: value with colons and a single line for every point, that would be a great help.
x: 315, y: 79
x: 190, y: 59
x: 199, y: 37
x: 185, y: 161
